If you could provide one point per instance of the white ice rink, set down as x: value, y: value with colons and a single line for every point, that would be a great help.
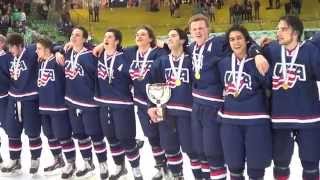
x: 146, y: 162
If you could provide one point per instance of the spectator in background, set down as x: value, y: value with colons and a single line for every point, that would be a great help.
x: 256, y: 9
x: 90, y: 9
x: 4, y: 22
x: 96, y: 13
x: 248, y: 10
x: 172, y: 7
x: 211, y: 13
x: 287, y: 8
x: 23, y: 17
x: 270, y: 4
x: 278, y: 4
x: 27, y: 6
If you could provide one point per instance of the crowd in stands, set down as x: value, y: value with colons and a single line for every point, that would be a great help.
x: 249, y: 10
x: 13, y: 15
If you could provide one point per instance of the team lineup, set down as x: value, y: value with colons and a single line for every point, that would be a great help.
x: 234, y: 105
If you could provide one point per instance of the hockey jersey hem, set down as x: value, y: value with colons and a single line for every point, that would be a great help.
x: 242, y: 115
x: 179, y: 107
x: 140, y: 101
x: 52, y: 108
x: 79, y: 103
x: 4, y: 95
x: 112, y: 101
x: 298, y: 120
x: 22, y: 95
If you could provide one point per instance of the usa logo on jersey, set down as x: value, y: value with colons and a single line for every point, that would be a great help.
x: 135, y: 68
x: 44, y: 76
x: 21, y: 67
x: 102, y: 71
x: 296, y: 73
x: 230, y: 82
x: 171, y: 80
x: 73, y: 73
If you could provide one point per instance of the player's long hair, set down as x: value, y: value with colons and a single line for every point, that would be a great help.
x: 151, y: 34
x: 182, y: 36
x: 118, y: 36
x: 243, y: 31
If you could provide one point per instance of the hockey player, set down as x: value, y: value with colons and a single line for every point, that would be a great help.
x: 246, y: 127
x: 141, y: 57
x: 295, y: 100
x: 175, y: 70
x: 53, y: 110
x: 4, y: 84
x: 207, y: 94
x: 113, y: 93
x: 80, y: 73
x: 23, y: 105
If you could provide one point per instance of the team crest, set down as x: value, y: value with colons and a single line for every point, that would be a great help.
x: 230, y: 83
x: 171, y: 80
x: 44, y: 76
x: 71, y: 73
x: 22, y: 67
x: 137, y: 71
x: 103, y: 72
x: 296, y: 72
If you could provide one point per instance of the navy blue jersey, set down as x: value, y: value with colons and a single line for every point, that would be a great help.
x: 24, y: 74
x: 80, y: 79
x: 207, y: 88
x: 113, y: 87
x: 244, y: 93
x: 140, y: 72
x: 315, y: 39
x: 180, y: 102
x: 295, y: 99
x: 4, y: 74
x: 51, y: 83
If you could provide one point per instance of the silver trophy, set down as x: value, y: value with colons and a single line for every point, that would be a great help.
x: 159, y: 94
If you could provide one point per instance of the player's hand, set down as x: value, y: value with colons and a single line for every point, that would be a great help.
x: 152, y: 112
x: 265, y: 41
x: 59, y: 58
x: 160, y: 43
x: 261, y: 64
x: 97, y: 51
x: 67, y: 46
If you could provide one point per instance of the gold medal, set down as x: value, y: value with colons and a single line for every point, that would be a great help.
x: 15, y: 77
x: 178, y: 82
x: 236, y: 94
x: 285, y: 86
x: 197, y: 75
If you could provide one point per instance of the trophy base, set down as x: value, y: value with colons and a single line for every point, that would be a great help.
x: 160, y: 114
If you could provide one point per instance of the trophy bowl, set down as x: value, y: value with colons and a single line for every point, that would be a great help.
x: 159, y: 94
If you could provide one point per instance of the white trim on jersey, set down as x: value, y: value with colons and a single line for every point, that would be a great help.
x: 4, y: 95
x: 196, y: 95
x: 112, y: 101
x: 42, y: 108
x: 135, y: 99
x: 79, y: 103
x: 243, y: 115
x: 179, y: 108
x: 295, y: 120
x: 22, y: 95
